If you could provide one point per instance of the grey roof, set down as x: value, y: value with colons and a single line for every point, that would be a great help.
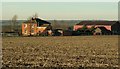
x: 38, y: 21
x: 44, y: 25
x: 41, y: 21
x: 96, y: 23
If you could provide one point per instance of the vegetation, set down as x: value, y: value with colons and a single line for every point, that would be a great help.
x: 71, y: 51
x: 84, y: 27
x: 92, y: 28
x: 14, y: 25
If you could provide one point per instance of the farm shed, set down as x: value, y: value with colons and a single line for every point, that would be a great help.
x: 67, y: 33
x: 10, y: 34
x: 116, y: 28
x: 57, y: 32
x: 89, y: 24
x: 35, y: 26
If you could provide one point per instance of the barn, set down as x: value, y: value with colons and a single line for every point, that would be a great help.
x: 35, y: 26
x: 113, y: 26
x: 116, y: 28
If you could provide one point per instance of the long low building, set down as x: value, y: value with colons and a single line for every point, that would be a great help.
x: 113, y: 26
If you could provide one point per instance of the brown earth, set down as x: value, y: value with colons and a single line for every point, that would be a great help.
x: 66, y: 51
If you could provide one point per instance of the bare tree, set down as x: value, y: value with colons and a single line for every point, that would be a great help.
x: 35, y: 15
x: 14, y: 23
x: 65, y: 26
x: 56, y: 24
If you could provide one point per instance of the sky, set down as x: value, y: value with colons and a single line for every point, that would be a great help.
x: 59, y: 0
x: 61, y: 10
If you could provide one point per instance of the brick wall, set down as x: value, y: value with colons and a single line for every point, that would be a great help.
x: 29, y: 29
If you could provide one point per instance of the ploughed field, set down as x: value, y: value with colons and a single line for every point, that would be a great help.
x: 66, y: 51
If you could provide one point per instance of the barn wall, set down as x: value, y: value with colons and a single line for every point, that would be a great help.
x: 116, y: 28
x: 76, y: 27
x: 28, y: 29
x: 41, y: 29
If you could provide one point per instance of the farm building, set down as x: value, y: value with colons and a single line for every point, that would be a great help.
x: 58, y: 32
x: 7, y: 31
x: 116, y: 28
x: 67, y: 33
x: 101, y: 31
x: 113, y: 26
x: 10, y: 33
x: 61, y: 32
x: 36, y: 26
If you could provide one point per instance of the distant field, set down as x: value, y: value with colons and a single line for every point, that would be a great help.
x: 66, y: 51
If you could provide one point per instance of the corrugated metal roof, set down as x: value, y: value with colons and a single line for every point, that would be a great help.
x: 41, y: 21
x: 96, y: 23
x: 38, y: 21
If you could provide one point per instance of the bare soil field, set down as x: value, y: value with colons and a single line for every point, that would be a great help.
x: 62, y: 51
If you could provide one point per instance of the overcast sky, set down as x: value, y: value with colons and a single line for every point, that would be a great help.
x: 61, y: 10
